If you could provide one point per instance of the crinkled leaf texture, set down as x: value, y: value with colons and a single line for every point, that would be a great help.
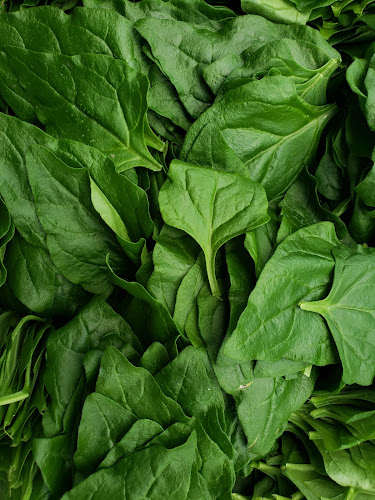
x: 166, y: 428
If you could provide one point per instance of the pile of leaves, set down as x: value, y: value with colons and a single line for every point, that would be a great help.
x: 187, y: 271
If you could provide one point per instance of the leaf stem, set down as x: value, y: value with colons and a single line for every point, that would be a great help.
x: 314, y: 436
x: 13, y: 398
x: 210, y: 265
x: 299, y: 467
x: 297, y: 496
x: 318, y: 306
x: 267, y: 469
x: 349, y: 494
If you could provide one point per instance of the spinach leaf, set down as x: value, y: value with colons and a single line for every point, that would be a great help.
x: 65, y: 106
x: 301, y: 207
x: 160, y: 465
x: 95, y: 327
x: 196, y: 200
x: 308, y: 65
x: 122, y: 411
x: 348, y: 307
x: 157, y: 324
x: 282, y: 11
x: 241, y: 276
x: 211, y: 150
x: 242, y: 116
x: 104, y: 32
x: 191, y: 11
x: 277, y: 328
x: 33, y: 277
x: 173, y: 256
x: 264, y: 406
x: 352, y: 468
x: 81, y: 257
x: 187, y: 227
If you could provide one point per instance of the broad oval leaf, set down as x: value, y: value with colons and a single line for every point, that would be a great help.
x: 273, y: 326
x: 212, y: 206
x: 270, y: 128
x: 92, y: 98
x: 349, y: 310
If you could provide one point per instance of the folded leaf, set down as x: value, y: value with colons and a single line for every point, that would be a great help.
x: 81, y: 258
x: 182, y: 50
x: 308, y: 65
x: 128, y: 400
x: 174, y: 255
x: 156, y: 323
x: 89, y: 329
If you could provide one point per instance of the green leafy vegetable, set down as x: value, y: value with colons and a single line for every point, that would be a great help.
x: 197, y: 200
x: 115, y: 125
x: 187, y: 232
x: 242, y: 116
x: 278, y: 328
x: 353, y: 274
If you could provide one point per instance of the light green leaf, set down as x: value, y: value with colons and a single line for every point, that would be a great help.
x: 212, y: 206
x: 260, y: 242
x: 281, y: 11
x: 122, y: 205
